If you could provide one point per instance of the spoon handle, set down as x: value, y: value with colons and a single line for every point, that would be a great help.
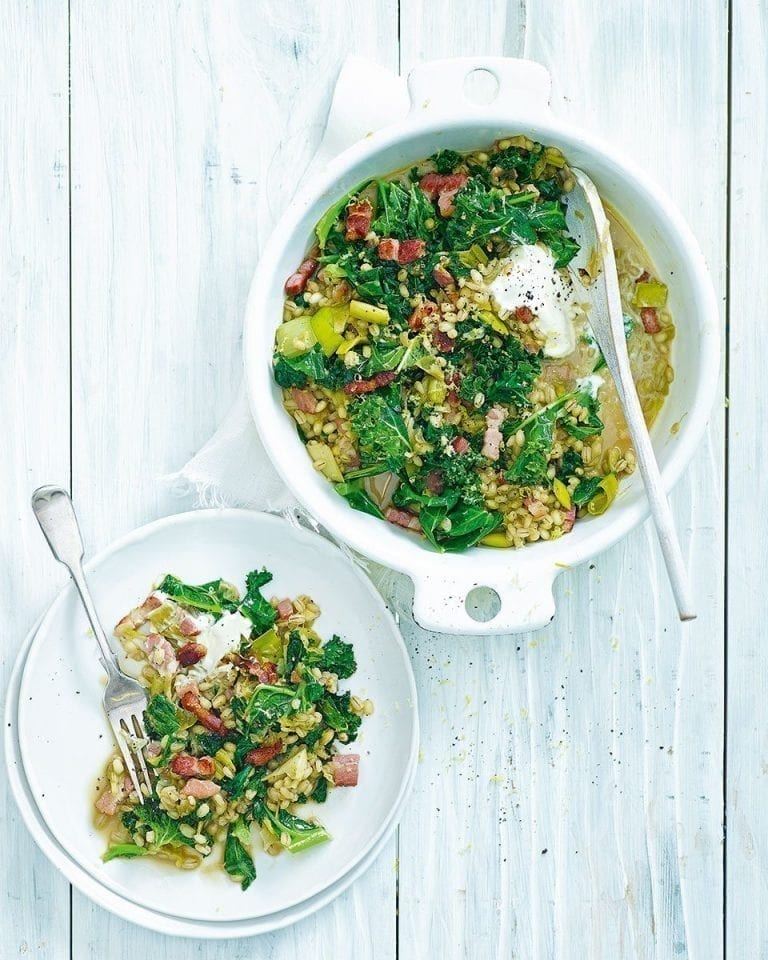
x: 654, y: 488
x: 608, y: 327
x: 609, y: 330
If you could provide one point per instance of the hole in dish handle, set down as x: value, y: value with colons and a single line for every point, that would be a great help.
x: 524, y: 602
x: 445, y: 86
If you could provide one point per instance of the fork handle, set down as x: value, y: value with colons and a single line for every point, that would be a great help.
x: 56, y: 515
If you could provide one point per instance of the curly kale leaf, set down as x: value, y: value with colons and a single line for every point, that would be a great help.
x: 593, y: 425
x: 586, y: 490
x: 238, y: 861
x: 530, y: 466
x: 217, y: 597
x: 337, y: 714
x: 466, y: 525
x: 484, y: 213
x: 124, y: 850
x: 255, y: 605
x: 167, y: 832
x: 357, y: 497
x: 299, y: 371
x: 446, y: 161
x: 380, y: 428
x: 502, y: 375
x: 335, y: 656
x: 294, y: 833
x: 403, y: 214
x: 160, y: 717
x: 570, y: 462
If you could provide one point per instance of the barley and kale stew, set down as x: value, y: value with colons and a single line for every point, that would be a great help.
x: 438, y: 362
x: 243, y: 726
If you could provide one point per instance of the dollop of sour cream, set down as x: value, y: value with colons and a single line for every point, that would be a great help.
x: 219, y: 639
x: 529, y: 278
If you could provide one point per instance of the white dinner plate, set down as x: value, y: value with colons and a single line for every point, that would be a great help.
x: 64, y: 738
x: 153, y: 920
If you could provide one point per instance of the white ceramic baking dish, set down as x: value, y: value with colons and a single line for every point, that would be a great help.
x: 445, y: 114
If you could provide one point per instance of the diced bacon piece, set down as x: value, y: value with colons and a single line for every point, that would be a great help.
x: 420, y: 314
x: 403, y: 518
x: 284, y: 609
x: 359, y: 216
x: 138, y: 616
x: 443, y: 187
x: 569, y: 518
x: 265, y: 672
x: 433, y: 184
x: 188, y: 626
x: 524, y: 314
x: 493, y: 438
x: 411, y: 250
x: 356, y: 387
x: 107, y: 802
x: 434, y: 482
x: 297, y: 282
x: 442, y: 276
x: 190, y: 701
x: 161, y: 654
x: 153, y: 749
x: 643, y: 277
x: 535, y: 507
x: 650, y: 320
x: 345, y: 768
x: 259, y: 756
x: 460, y: 444
x: 443, y: 342
x: 200, y: 789
x: 185, y: 765
x: 191, y: 653
x: 388, y: 249
x: 305, y: 400
x: 445, y: 202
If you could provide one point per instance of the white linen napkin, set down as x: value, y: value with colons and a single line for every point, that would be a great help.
x: 232, y: 469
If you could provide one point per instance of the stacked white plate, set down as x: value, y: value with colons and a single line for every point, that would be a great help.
x: 57, y: 737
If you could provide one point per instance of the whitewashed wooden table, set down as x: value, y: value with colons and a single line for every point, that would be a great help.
x: 573, y: 784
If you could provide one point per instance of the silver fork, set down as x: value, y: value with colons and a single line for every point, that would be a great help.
x: 124, y: 698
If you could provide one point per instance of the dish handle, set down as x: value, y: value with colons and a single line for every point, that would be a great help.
x: 524, y: 601
x: 459, y: 84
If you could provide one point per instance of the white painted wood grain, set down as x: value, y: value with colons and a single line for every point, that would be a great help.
x: 190, y: 123
x: 34, y: 404
x: 569, y: 798
x: 747, y: 793
x: 599, y: 740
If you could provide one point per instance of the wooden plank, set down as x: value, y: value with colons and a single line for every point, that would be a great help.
x: 569, y: 799
x: 191, y: 123
x: 747, y: 819
x: 34, y: 398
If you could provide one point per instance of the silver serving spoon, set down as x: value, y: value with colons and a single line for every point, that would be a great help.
x: 590, y: 228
